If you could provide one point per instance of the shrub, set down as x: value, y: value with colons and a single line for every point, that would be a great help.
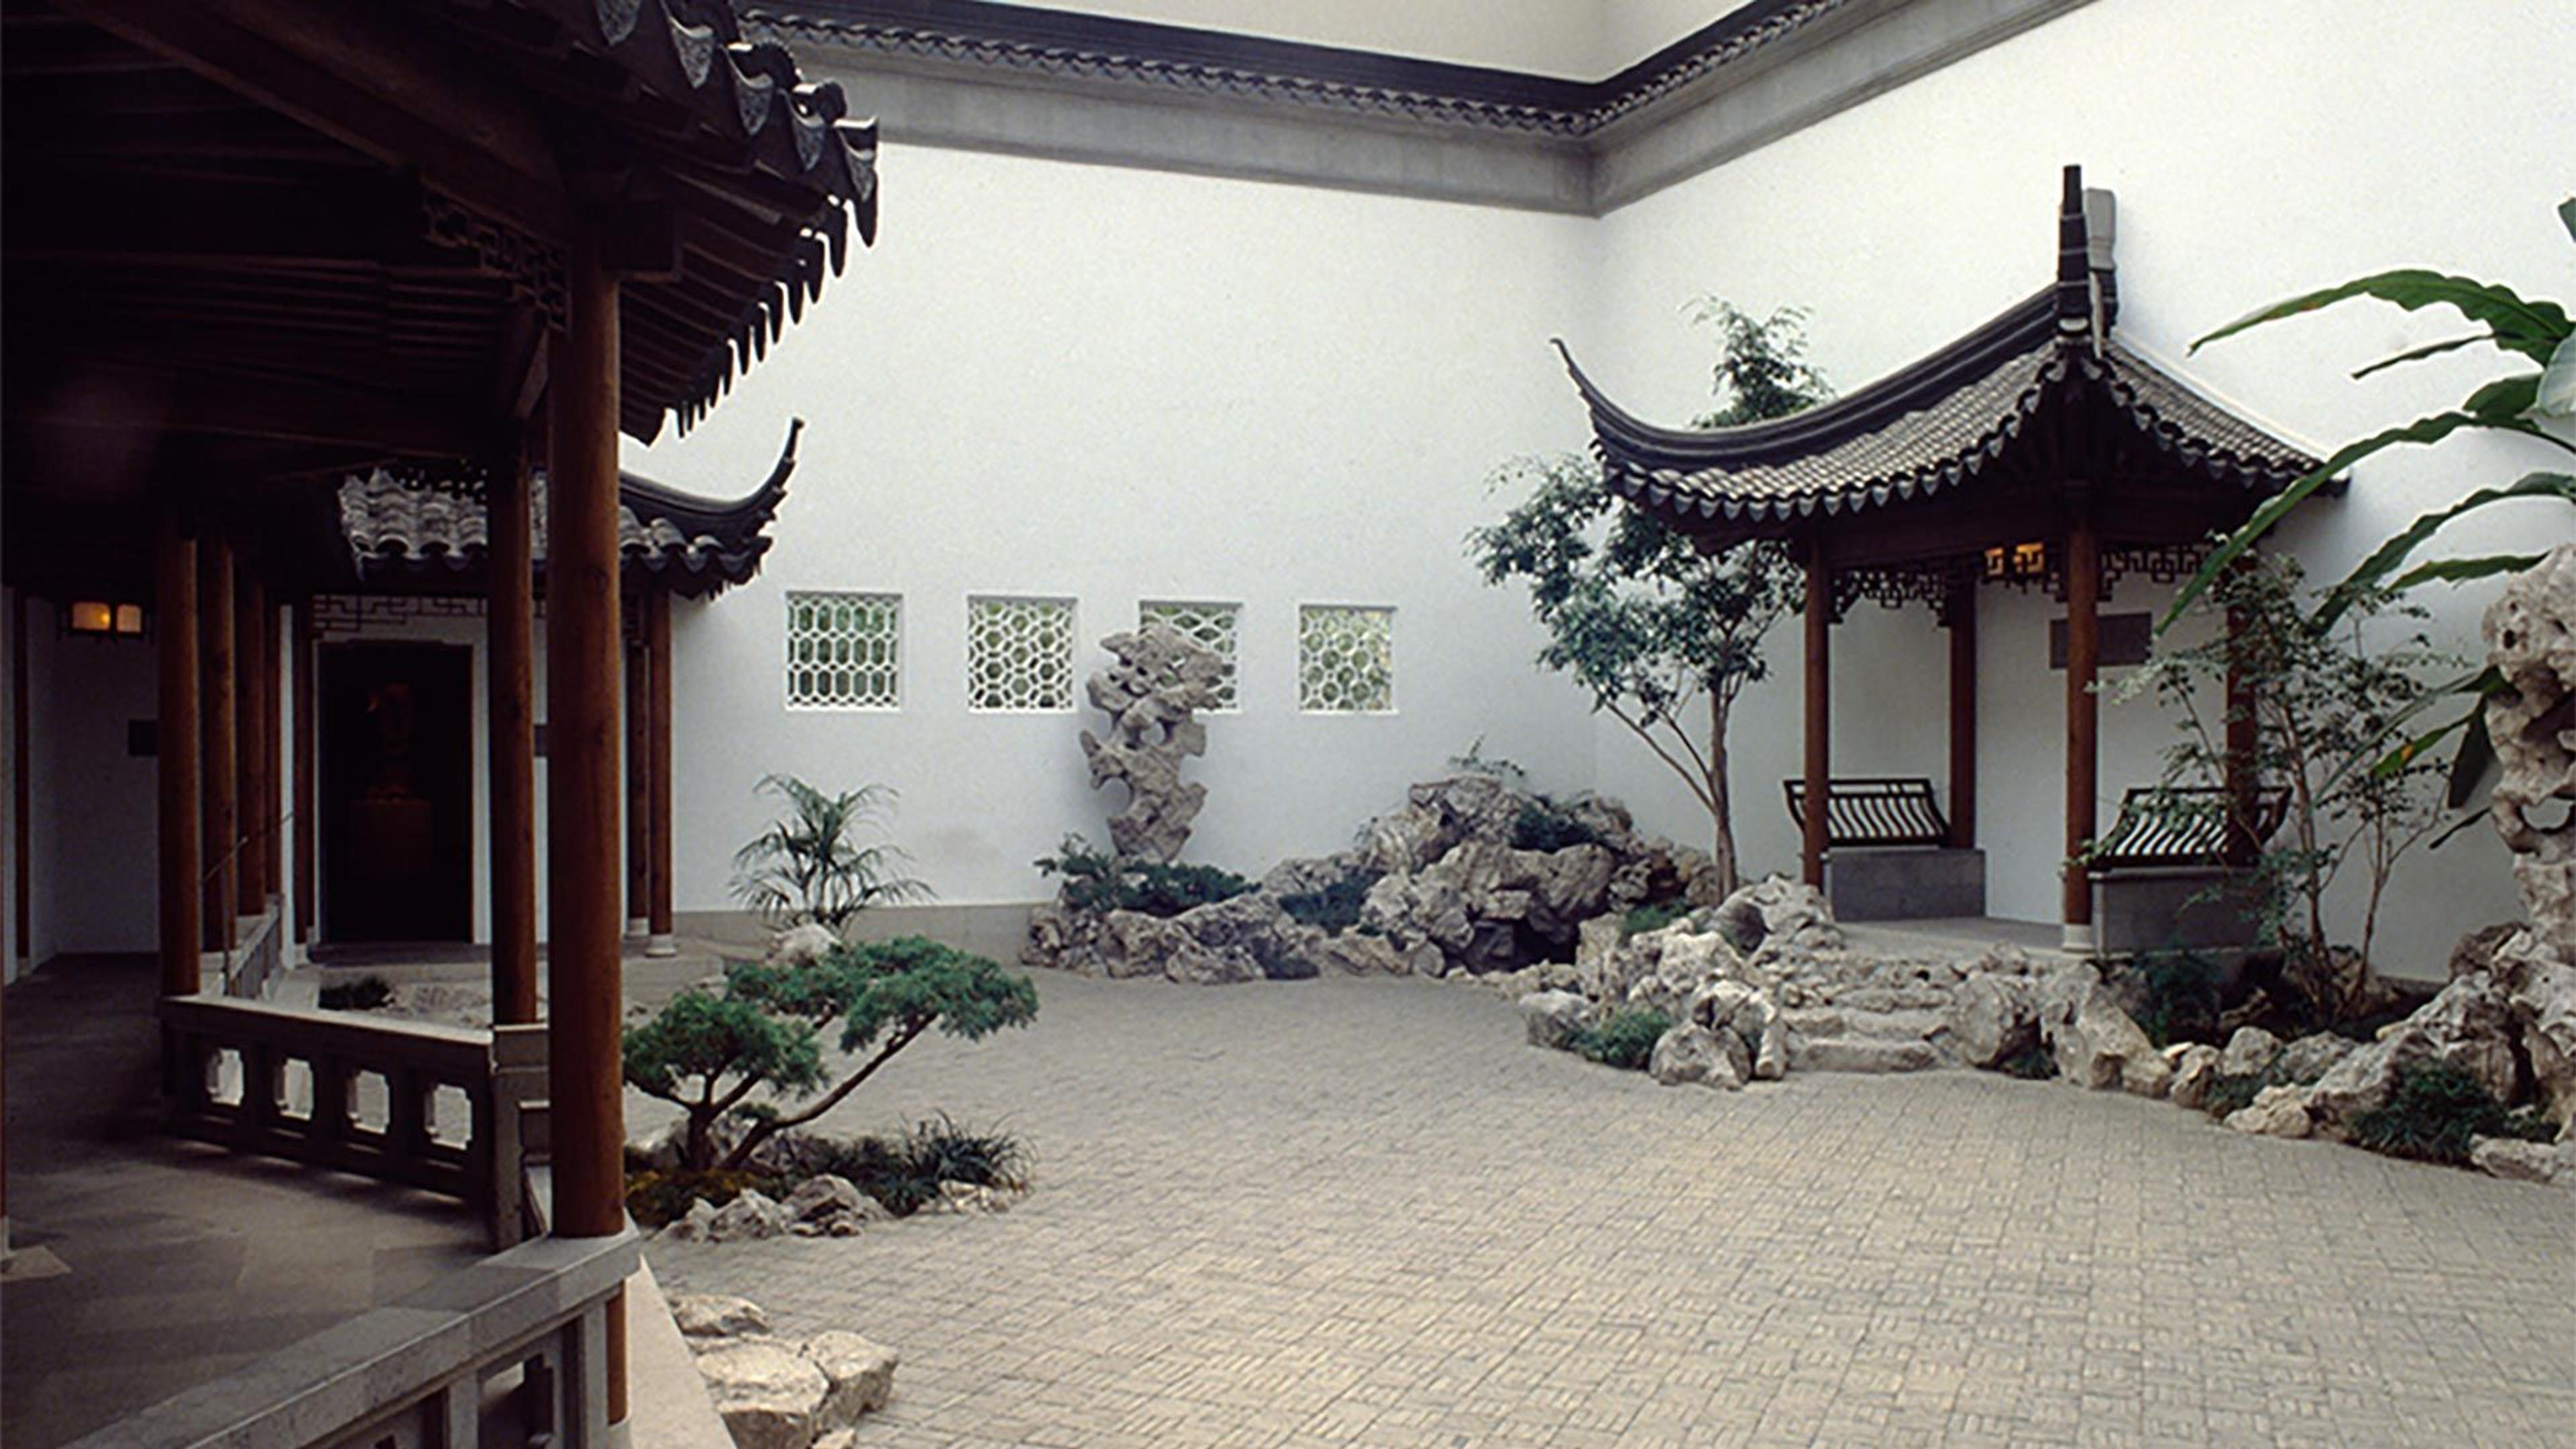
x: 2179, y: 997
x: 364, y: 994
x: 656, y: 1198
x: 1543, y: 824
x: 2033, y: 1063
x: 809, y: 865
x: 1626, y: 1040
x: 2234, y: 1093
x: 1653, y: 916
x: 904, y: 1174
x: 1097, y: 882
x: 1335, y: 908
x: 2434, y: 1112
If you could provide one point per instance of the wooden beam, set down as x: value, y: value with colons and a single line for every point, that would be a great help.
x: 307, y: 731
x: 1963, y: 719
x: 182, y: 852
x: 581, y: 767
x: 2083, y: 716
x: 22, y: 770
x: 510, y: 652
x: 219, y: 778
x: 362, y: 77
x: 658, y: 938
x: 181, y: 397
x: 1819, y: 722
x: 639, y: 768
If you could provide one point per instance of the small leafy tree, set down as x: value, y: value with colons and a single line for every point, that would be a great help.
x: 2323, y: 697
x: 809, y: 865
x: 709, y: 1052
x: 1632, y: 610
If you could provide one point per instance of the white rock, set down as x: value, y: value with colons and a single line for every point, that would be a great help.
x: 2249, y: 1052
x: 802, y: 945
x: 769, y: 1396
x: 2468, y: 1026
x: 2195, y: 1071
x: 2521, y: 1161
x: 708, y: 1316
x: 1693, y: 1053
x: 750, y: 1216
x: 860, y: 1372
x: 1991, y: 1018
x: 1551, y: 1017
x: 2312, y: 1056
x: 2094, y: 1042
x: 2275, y: 1112
x: 692, y: 1226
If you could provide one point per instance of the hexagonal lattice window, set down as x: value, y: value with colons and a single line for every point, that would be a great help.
x: 1209, y: 625
x: 1345, y: 659
x: 844, y: 651
x: 1019, y: 654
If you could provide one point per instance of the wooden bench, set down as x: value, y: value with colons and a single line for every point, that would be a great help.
x: 2181, y: 825
x: 1874, y: 810
x: 1888, y: 853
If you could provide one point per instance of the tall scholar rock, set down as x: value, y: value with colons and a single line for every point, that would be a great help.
x: 1152, y: 696
x: 2531, y: 640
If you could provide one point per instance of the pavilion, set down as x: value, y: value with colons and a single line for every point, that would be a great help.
x: 2037, y: 451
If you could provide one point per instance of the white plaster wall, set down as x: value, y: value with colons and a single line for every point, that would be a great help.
x: 1109, y: 385
x: 2255, y: 154
x: 1631, y: 30
x: 93, y: 812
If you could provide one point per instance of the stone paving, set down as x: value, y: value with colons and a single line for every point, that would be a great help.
x: 1363, y: 1212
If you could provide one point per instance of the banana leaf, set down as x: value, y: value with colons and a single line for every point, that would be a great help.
x: 2389, y: 555
x: 2533, y: 328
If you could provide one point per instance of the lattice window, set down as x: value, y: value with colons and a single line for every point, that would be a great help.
x: 1019, y: 654
x: 1209, y: 625
x: 1345, y: 659
x: 844, y: 651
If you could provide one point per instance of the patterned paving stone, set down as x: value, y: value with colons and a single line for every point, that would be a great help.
x: 1363, y: 1212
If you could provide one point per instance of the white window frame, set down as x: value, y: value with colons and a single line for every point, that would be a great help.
x: 1072, y: 645
x: 1233, y: 657
x: 1393, y: 700
x: 787, y: 663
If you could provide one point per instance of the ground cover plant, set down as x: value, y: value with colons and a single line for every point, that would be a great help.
x: 811, y: 864
x: 710, y: 1052
x: 2178, y: 997
x: 1335, y: 908
x: 1097, y: 882
x: 904, y: 1172
x: 364, y: 994
x: 1652, y: 916
x: 1631, y: 609
x: 2436, y: 1110
x: 1626, y: 1040
x: 1543, y: 824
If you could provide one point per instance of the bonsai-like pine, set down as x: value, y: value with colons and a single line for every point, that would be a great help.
x: 809, y: 865
x: 1634, y: 612
x: 709, y: 1052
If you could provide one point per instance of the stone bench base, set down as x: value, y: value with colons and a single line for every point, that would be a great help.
x: 2159, y: 908
x: 1905, y: 883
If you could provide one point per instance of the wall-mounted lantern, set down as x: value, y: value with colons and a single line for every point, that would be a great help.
x: 105, y: 619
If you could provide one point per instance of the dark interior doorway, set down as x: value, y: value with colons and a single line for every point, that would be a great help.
x: 397, y: 726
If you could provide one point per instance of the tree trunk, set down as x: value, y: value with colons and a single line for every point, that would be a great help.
x: 1721, y: 808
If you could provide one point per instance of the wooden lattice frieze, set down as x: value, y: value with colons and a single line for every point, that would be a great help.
x: 2163, y: 563
x: 1943, y: 583
x: 533, y: 268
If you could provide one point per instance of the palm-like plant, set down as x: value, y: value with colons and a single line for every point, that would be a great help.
x: 810, y: 864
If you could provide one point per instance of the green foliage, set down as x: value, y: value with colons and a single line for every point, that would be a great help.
x: 809, y: 865
x: 1641, y: 619
x: 1545, y: 825
x: 2033, y: 1063
x: 1626, y: 1040
x: 2180, y: 992
x: 708, y: 1052
x: 2433, y: 1113
x: 904, y: 1173
x: 2525, y: 330
x: 1096, y: 882
x: 2325, y: 700
x: 1652, y: 916
x: 654, y: 1199
x: 364, y: 994
x: 2234, y: 1092
x: 1335, y: 908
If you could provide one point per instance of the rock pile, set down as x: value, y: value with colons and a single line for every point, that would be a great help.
x: 1152, y: 695
x: 823, y: 1206
x: 781, y: 1393
x: 1470, y: 876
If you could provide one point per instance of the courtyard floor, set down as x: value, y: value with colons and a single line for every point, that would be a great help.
x: 1364, y: 1212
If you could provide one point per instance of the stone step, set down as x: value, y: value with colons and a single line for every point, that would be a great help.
x: 1860, y: 1054
x: 1817, y: 1022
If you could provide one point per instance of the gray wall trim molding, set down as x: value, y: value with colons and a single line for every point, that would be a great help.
x: 1062, y: 86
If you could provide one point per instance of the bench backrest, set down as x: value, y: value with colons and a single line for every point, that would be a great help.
x: 1874, y: 810
x: 2182, y: 825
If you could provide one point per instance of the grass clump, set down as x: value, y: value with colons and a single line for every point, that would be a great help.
x: 2234, y: 1092
x: 904, y: 1172
x: 364, y: 994
x: 2435, y: 1111
x: 2033, y: 1063
x: 1097, y: 882
x: 2178, y: 993
x: 1626, y: 1040
x: 1335, y: 908
x: 1652, y: 916
x: 1545, y: 825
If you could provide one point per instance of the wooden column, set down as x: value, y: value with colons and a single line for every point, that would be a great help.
x: 250, y: 776
x: 583, y: 968
x: 272, y: 747
x: 1820, y: 752
x: 658, y: 939
x: 218, y: 775
x: 182, y: 850
x: 308, y: 903
x: 509, y: 656
x: 2243, y: 742
x: 1963, y: 718
x: 639, y: 794
x: 22, y: 790
x: 2083, y: 714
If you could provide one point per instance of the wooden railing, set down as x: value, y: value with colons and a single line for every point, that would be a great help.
x: 513, y: 1350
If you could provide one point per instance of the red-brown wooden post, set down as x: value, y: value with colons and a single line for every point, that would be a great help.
x: 250, y: 783
x: 182, y: 853
x: 658, y: 938
x: 1963, y: 717
x: 1820, y: 749
x: 583, y: 967
x: 509, y: 657
x: 307, y: 731
x: 218, y: 777
x: 639, y: 765
x: 272, y: 718
x: 22, y: 786
x: 2083, y: 715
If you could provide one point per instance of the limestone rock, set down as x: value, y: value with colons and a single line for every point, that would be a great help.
x: 1992, y: 1019
x: 1551, y: 1017
x: 1360, y: 953
x: 1153, y: 693
x: 2477, y: 950
x: 1778, y: 907
x: 2094, y: 1042
x: 2521, y: 1161
x: 2531, y: 640
x: 2540, y: 991
x: 769, y: 1396
x: 2249, y: 1053
x: 822, y: 1201
x: 692, y: 1226
x: 2195, y: 1071
x: 1860, y: 1054
x: 2274, y: 1112
x: 860, y: 1375
x: 751, y: 1215
x: 1693, y: 1053
x: 792, y: 1154
x: 803, y: 944
x: 658, y: 1149
x: 706, y: 1317
x: 968, y: 1197
x: 2468, y: 1026
x: 1253, y: 925
x: 2310, y: 1057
